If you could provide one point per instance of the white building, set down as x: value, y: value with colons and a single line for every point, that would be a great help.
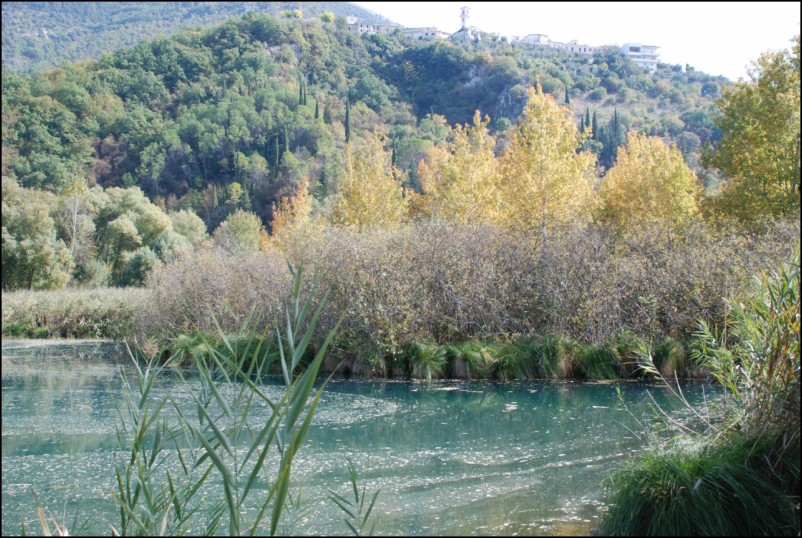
x: 644, y: 55
x: 426, y: 33
x: 354, y: 25
x: 535, y: 39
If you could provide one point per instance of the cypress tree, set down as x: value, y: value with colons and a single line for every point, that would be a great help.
x: 587, y: 117
x: 392, y: 158
x: 567, y: 97
x: 317, y: 108
x: 347, y: 121
x: 286, y: 138
x: 595, y: 126
x: 300, y: 91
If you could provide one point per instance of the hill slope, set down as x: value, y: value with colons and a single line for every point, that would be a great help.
x: 246, y: 110
x: 38, y: 35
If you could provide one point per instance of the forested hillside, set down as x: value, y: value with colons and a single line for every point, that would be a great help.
x: 38, y: 35
x: 222, y: 124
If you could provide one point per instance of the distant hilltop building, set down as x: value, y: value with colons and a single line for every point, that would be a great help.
x: 465, y: 32
x: 644, y: 55
x: 425, y: 33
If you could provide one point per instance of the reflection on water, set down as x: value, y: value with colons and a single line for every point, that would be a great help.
x: 450, y: 458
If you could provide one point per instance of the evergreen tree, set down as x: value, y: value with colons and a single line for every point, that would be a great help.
x: 347, y: 121
x: 587, y: 117
x: 276, y: 158
x: 595, y: 126
x: 567, y: 97
x: 317, y: 109
x: 300, y: 91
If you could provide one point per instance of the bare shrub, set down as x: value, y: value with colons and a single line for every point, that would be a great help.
x: 188, y: 291
x: 434, y: 281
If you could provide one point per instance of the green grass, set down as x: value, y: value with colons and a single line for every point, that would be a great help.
x: 598, y: 362
x: 704, y: 490
x: 480, y: 358
x: 427, y: 360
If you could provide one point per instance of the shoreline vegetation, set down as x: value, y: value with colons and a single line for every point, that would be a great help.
x: 438, y: 300
x: 736, y: 471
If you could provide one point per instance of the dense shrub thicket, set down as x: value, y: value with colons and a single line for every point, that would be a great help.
x: 439, y: 282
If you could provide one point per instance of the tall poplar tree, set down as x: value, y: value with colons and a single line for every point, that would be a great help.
x: 547, y: 182
x: 369, y: 193
x: 650, y: 181
x: 461, y: 182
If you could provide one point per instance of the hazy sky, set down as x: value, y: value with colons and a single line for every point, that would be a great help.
x: 719, y: 38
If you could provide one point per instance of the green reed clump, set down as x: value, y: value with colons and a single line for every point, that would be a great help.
x: 479, y: 358
x: 222, y: 441
x: 357, y: 515
x: 426, y: 359
x: 723, y: 489
x: 669, y: 356
x: 598, y: 362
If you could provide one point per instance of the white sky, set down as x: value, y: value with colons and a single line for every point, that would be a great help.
x: 719, y: 38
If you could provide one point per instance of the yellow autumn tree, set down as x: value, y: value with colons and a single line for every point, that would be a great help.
x: 292, y: 214
x: 546, y: 181
x: 650, y: 181
x: 369, y: 192
x: 461, y: 182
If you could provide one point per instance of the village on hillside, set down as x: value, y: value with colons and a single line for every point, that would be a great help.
x: 644, y: 55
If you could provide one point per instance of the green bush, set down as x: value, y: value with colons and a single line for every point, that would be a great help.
x: 703, y: 490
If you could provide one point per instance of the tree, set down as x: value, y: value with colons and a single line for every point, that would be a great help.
x: 240, y: 233
x: 126, y: 220
x: 759, y: 147
x: 461, y: 182
x: 190, y: 225
x: 32, y: 256
x: 74, y: 218
x: 369, y: 192
x: 292, y: 211
x: 546, y: 182
x: 650, y: 181
x: 347, y: 121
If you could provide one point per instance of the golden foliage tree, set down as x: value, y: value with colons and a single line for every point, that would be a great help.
x: 293, y: 216
x: 759, y: 147
x: 292, y: 211
x: 546, y: 181
x: 369, y: 192
x: 649, y: 181
x: 461, y: 182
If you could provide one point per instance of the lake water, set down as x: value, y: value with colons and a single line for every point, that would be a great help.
x: 449, y: 458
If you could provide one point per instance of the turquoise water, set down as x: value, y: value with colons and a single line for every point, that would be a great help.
x: 449, y: 458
